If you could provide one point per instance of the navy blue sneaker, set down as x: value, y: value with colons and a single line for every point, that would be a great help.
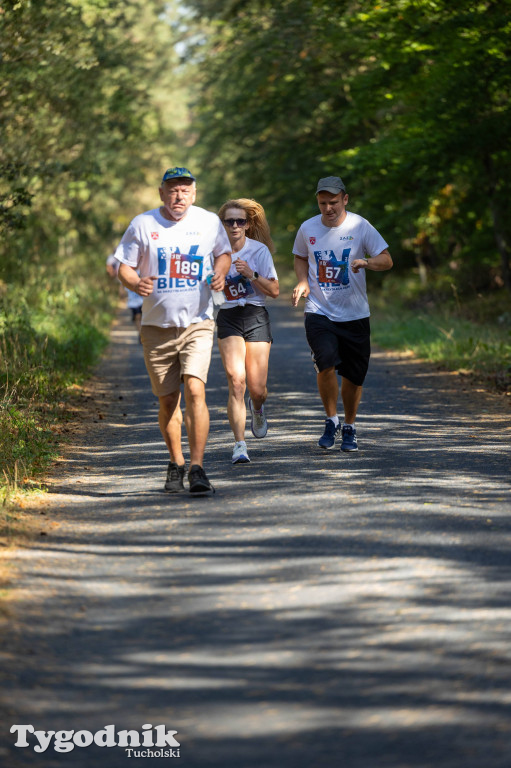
x: 327, y: 439
x: 349, y: 438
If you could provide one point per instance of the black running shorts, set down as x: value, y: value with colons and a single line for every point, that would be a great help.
x: 251, y: 322
x: 344, y: 346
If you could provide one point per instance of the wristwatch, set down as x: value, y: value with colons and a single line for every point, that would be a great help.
x: 255, y: 275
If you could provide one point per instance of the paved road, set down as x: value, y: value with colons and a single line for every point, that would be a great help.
x: 321, y: 610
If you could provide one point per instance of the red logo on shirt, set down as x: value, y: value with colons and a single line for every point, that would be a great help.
x: 312, y: 240
x: 155, y: 235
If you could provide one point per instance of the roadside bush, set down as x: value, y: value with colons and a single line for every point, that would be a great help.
x: 44, y: 349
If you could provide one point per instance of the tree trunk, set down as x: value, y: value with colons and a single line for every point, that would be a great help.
x: 502, y: 246
x: 499, y: 230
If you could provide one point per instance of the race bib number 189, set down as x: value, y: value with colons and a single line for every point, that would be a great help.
x: 182, y: 265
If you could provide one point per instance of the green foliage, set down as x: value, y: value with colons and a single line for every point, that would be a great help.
x: 407, y: 100
x: 472, y: 337
x: 47, y: 344
x: 80, y: 122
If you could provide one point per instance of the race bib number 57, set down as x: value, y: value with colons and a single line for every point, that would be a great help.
x: 330, y: 273
x: 184, y: 265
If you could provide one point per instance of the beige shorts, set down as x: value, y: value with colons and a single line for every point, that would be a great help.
x: 171, y: 353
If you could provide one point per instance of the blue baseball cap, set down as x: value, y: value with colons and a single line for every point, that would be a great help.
x: 177, y: 173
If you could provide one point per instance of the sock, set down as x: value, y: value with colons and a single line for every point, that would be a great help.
x: 348, y: 425
x: 335, y: 419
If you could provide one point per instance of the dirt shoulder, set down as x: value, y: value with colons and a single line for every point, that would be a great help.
x: 25, y: 516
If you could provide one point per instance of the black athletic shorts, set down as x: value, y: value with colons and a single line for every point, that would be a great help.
x: 344, y: 346
x: 250, y: 322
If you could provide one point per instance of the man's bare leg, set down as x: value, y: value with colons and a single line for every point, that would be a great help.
x: 196, y: 418
x: 170, y: 420
x: 328, y: 387
x: 351, y: 395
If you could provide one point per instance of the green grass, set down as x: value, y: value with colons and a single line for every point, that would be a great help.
x: 49, y: 341
x: 467, y: 334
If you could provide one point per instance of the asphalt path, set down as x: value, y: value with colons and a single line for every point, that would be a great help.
x: 322, y: 609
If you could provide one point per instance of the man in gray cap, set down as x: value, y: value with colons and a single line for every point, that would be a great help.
x: 332, y: 252
x: 167, y: 255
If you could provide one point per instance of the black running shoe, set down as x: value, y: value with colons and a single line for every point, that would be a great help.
x: 175, y: 476
x: 199, y: 483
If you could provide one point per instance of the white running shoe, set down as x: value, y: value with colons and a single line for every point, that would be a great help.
x: 240, y: 453
x: 259, y: 424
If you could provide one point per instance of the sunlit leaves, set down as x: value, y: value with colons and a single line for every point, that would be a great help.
x: 402, y: 97
x: 79, y: 105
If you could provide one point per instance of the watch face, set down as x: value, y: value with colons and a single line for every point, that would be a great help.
x: 256, y: 275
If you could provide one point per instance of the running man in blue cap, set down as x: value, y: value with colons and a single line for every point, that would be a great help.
x: 167, y: 255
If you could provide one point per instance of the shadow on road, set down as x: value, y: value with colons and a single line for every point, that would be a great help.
x: 320, y: 610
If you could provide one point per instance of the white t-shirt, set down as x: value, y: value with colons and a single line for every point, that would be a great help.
x: 180, y: 254
x: 336, y: 291
x: 240, y: 290
x: 134, y: 301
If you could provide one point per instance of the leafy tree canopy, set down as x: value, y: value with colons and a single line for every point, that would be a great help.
x: 407, y: 100
x: 83, y: 119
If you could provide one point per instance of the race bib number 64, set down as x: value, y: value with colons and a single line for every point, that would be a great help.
x: 237, y: 288
x: 183, y: 265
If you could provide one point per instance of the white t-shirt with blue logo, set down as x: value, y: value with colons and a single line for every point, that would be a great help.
x: 180, y: 254
x: 240, y: 290
x: 336, y: 291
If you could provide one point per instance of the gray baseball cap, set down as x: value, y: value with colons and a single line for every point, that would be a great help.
x: 332, y: 184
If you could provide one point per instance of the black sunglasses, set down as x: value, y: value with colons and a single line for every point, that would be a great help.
x: 232, y: 222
